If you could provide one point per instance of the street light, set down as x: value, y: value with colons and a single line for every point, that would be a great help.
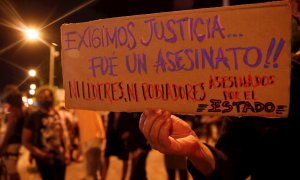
x: 31, y: 92
x: 32, y: 34
x: 32, y: 73
x: 32, y: 86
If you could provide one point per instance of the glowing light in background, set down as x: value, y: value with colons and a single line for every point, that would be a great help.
x: 32, y: 73
x: 32, y: 86
x: 32, y: 34
x: 30, y: 101
x: 24, y: 99
x: 15, y: 21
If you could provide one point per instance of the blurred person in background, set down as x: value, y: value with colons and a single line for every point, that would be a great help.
x: 117, y: 139
x: 15, y: 115
x: 92, y: 135
x: 46, y: 137
x: 210, y: 127
x: 72, y: 127
x: 139, y: 149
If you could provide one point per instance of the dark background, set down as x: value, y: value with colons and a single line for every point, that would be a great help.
x: 16, y: 61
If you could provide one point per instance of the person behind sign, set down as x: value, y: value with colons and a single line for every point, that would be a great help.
x: 262, y: 148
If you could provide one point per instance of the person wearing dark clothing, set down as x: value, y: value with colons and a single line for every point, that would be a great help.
x: 139, y: 148
x: 117, y: 136
x: 45, y: 136
x: 254, y: 146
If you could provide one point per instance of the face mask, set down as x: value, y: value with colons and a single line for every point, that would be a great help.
x: 46, y: 104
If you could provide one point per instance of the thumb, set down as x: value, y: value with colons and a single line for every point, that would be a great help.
x: 179, y: 128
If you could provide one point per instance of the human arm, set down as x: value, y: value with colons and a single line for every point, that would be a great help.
x: 230, y: 159
x: 169, y: 134
x: 27, y: 136
x: 236, y: 150
x: 30, y: 139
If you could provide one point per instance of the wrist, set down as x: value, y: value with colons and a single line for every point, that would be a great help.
x: 202, y: 159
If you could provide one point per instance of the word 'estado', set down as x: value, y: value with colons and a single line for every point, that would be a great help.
x: 240, y: 106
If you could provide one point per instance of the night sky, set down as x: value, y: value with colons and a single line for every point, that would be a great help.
x: 15, y: 61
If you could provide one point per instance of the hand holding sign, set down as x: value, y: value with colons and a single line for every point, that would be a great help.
x: 167, y: 133
x: 171, y: 135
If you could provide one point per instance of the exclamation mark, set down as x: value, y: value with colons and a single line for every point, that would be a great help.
x: 271, y: 47
x: 277, y: 52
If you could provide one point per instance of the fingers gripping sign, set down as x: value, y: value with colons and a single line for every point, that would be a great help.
x: 161, y: 124
x: 171, y: 135
x: 156, y: 125
x: 167, y: 133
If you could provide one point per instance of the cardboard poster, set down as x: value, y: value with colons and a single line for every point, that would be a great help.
x: 229, y: 61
